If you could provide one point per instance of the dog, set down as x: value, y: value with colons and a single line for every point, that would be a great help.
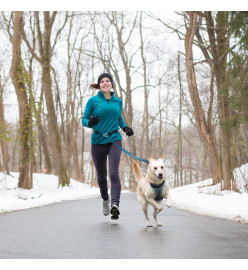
x: 152, y: 188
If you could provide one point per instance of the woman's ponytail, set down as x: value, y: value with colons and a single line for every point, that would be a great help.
x: 94, y: 86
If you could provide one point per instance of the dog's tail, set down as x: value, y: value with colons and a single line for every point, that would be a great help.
x: 137, y: 171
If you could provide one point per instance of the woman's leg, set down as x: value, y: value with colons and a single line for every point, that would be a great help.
x: 114, y: 161
x: 99, y: 155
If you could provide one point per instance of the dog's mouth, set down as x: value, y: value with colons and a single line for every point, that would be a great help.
x: 160, y: 177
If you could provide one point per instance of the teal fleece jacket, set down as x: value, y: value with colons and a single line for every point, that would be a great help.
x: 109, y: 117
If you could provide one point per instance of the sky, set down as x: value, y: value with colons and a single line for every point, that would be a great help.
x: 127, y: 5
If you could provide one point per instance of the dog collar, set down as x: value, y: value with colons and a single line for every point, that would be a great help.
x: 158, y: 189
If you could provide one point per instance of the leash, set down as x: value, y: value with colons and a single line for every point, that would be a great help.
x: 107, y: 135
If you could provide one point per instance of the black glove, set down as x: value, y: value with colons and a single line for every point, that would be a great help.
x: 93, y: 120
x: 128, y: 130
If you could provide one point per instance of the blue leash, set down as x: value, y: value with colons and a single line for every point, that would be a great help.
x: 122, y: 149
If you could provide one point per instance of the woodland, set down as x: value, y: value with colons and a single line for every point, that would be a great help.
x: 182, y: 78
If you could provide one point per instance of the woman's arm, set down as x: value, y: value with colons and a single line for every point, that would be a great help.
x: 87, y: 113
x: 121, y: 122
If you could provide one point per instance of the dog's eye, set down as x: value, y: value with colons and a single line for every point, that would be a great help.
x: 162, y: 167
x: 155, y: 168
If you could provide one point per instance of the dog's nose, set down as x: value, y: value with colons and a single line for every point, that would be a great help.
x: 160, y: 174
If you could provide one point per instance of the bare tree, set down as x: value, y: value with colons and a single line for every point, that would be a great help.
x: 144, y: 139
x: 219, y: 45
x: 178, y: 163
x: 18, y: 77
x: 216, y: 57
x: 44, y: 58
x: 75, y: 94
x: 3, y: 130
x: 37, y: 106
x: 204, y: 126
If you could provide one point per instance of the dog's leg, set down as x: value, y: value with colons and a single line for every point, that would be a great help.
x: 148, y: 224
x: 166, y: 194
x: 143, y: 203
x: 157, y: 208
x: 155, y: 217
x: 168, y: 201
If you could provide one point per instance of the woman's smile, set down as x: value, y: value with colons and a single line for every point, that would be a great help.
x: 105, y: 84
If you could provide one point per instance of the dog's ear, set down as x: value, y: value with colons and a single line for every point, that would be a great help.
x: 149, y: 158
x: 160, y: 157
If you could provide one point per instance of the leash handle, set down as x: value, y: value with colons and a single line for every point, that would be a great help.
x: 125, y: 151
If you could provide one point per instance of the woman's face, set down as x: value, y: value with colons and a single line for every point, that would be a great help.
x: 105, y: 85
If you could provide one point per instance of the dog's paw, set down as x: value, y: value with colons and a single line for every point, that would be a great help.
x: 159, y: 224
x: 149, y: 225
x: 168, y: 204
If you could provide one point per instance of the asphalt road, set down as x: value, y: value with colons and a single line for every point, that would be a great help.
x: 78, y: 230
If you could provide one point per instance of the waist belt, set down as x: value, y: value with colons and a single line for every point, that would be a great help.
x: 109, y: 134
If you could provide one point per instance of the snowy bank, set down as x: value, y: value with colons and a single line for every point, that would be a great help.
x: 205, y: 199
x: 45, y: 191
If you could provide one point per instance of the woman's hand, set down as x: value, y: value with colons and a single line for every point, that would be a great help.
x: 128, y: 131
x: 93, y: 120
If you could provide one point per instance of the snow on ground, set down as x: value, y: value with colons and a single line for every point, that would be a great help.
x: 225, y: 204
x: 45, y: 191
x: 201, y: 198
x: 205, y: 199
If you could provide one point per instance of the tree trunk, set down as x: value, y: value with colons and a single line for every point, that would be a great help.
x: 18, y: 78
x: 55, y: 139
x: 75, y: 167
x: 190, y: 165
x: 3, y: 129
x: 205, y: 130
x: 180, y: 142
x: 46, y: 51
x: 223, y: 96
x: 41, y: 133
x: 42, y: 137
x: 82, y: 158
x: 146, y: 110
x: 70, y: 140
x: 56, y: 146
x: 219, y: 46
x: 13, y: 169
x: 176, y: 170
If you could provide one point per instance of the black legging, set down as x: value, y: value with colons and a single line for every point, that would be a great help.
x: 99, y: 155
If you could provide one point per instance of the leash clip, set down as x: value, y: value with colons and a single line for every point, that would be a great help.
x: 105, y: 135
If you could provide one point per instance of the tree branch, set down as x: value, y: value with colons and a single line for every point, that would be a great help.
x: 39, y: 34
x: 29, y: 47
x: 60, y: 30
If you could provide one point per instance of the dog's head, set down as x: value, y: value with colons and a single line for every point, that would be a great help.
x: 156, y: 168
